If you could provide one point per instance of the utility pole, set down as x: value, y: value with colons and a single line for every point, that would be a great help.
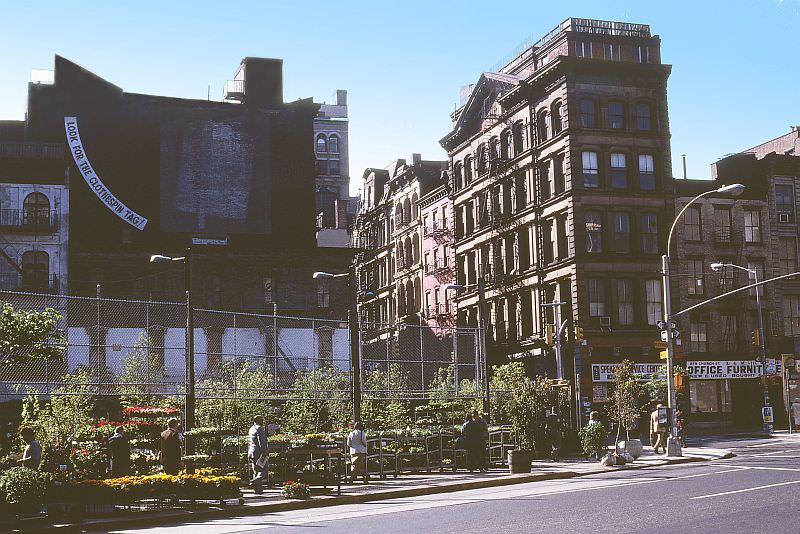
x: 559, y: 330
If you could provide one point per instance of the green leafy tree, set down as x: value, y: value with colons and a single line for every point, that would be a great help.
x: 141, y: 373
x: 624, y: 400
x: 383, y: 407
x: 320, y: 401
x: 30, y: 335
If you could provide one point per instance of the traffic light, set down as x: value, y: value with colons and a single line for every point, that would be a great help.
x: 756, y: 338
x: 548, y: 334
x: 578, y: 335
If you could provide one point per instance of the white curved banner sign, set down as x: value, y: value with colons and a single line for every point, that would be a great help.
x: 94, y: 182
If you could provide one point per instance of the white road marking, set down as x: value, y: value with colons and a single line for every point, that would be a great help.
x: 766, y: 444
x: 766, y: 468
x: 773, y: 453
x: 745, y: 490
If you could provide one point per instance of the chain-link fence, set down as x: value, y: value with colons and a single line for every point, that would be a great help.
x: 126, y: 347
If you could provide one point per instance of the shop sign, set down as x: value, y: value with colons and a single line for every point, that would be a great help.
x: 697, y: 370
x: 604, y: 372
x: 95, y: 183
x: 600, y: 393
x: 766, y: 414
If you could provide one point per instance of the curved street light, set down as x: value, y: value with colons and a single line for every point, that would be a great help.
x: 673, y: 445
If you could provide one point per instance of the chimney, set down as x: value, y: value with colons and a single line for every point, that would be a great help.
x: 341, y: 213
x: 416, y: 158
x: 263, y: 82
x: 341, y: 97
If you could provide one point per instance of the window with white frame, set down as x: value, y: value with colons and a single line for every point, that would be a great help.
x: 691, y: 224
x: 722, y: 224
x: 650, y: 233
x: 653, y: 301
x: 698, y: 337
x: 784, y: 203
x: 619, y: 171
x: 696, y: 282
x: 625, y: 302
x: 597, y: 297
x: 752, y: 226
x: 647, y: 176
x: 643, y: 54
x: 611, y: 51
x: 622, y: 232
x: 787, y: 254
x: 583, y: 49
x: 591, y: 177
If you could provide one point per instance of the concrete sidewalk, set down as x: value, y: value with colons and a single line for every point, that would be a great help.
x: 407, y: 485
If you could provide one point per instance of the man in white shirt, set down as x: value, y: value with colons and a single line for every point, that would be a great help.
x: 357, y: 442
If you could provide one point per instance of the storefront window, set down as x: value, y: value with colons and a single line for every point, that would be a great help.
x: 710, y: 396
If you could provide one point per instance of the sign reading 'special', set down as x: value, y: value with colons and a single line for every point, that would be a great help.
x: 91, y: 178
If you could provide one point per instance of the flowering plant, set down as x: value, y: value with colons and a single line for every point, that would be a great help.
x: 149, y: 411
x: 296, y: 490
x: 131, y: 488
x: 103, y: 430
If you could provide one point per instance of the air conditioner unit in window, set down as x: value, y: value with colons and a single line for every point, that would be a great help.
x: 605, y: 320
x: 783, y: 217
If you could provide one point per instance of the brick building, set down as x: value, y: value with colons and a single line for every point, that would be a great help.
x: 757, y: 232
x: 436, y: 213
x: 561, y: 186
x: 235, y: 180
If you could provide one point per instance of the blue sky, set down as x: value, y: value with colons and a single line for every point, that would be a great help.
x: 733, y: 84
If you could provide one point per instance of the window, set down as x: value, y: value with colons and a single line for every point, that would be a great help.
x: 650, y: 233
x: 616, y: 115
x: 558, y: 174
x: 541, y: 123
x: 752, y: 226
x: 583, y: 49
x: 323, y: 293
x: 611, y: 51
x: 36, y: 210
x: 468, y: 170
x: 590, y: 175
x: 784, y: 203
x: 322, y: 144
x: 726, y: 278
x: 787, y: 254
x: 458, y: 176
x: 333, y: 144
x: 322, y: 166
x: 691, y: 224
x: 791, y: 315
x: 625, y: 302
x: 619, y: 171
x: 333, y: 167
x: 722, y: 224
x: 622, y: 232
x: 480, y: 156
x: 597, y: 298
x: 710, y: 396
x: 643, y: 54
x: 729, y: 332
x: 35, y: 270
x: 653, y: 301
x: 521, y: 193
x: 594, y: 232
x: 547, y: 240
x: 494, y: 149
x: 643, y: 117
x: 755, y: 270
x: 544, y: 181
x: 698, y: 337
x: 556, y: 119
x: 519, y: 138
x: 505, y: 144
x: 647, y: 176
x: 561, y: 237
x: 696, y: 282
x: 588, y: 113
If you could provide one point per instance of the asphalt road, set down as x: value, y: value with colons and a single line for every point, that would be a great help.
x: 757, y: 491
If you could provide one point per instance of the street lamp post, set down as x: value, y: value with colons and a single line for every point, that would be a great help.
x: 187, y: 285
x: 353, y: 323
x: 673, y: 445
x: 558, y: 328
x: 762, y: 334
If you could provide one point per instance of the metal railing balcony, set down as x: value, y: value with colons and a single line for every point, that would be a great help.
x: 34, y: 221
x: 233, y: 90
x: 34, y: 283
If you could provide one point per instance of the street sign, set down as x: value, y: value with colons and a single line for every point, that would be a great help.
x: 766, y: 414
x: 663, y: 355
x: 660, y: 344
x: 663, y: 335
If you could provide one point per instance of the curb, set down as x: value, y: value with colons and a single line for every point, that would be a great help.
x: 185, y: 516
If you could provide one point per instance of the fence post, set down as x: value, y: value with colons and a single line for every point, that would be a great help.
x: 276, y: 350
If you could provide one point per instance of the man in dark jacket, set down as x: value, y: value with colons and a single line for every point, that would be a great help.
x: 483, y: 433
x: 170, y: 455
x: 119, y: 453
x: 471, y: 437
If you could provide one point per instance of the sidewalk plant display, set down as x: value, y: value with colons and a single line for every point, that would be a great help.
x: 624, y: 405
x: 134, y: 488
x: 296, y: 490
x: 22, y: 491
x: 594, y: 439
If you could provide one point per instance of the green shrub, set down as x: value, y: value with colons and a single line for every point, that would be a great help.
x: 23, y: 490
x: 594, y: 439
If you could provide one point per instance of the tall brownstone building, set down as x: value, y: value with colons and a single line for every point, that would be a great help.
x: 561, y: 186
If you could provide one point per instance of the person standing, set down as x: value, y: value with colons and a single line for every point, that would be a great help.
x: 170, y: 454
x: 553, y: 431
x: 258, y: 453
x: 32, y: 456
x: 483, y: 435
x: 658, y: 430
x: 471, y: 437
x: 357, y: 442
x: 119, y: 453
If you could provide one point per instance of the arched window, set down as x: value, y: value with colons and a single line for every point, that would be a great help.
x: 411, y: 304
x: 556, y: 119
x: 458, y: 176
x: 36, y: 210
x: 505, y: 144
x: 401, y: 300
x: 333, y: 144
x: 409, y: 252
x: 468, y: 168
x: 494, y: 149
x: 322, y: 144
x: 398, y: 215
x: 481, y: 156
x: 519, y: 138
x: 35, y: 270
x: 417, y: 293
x: 414, y: 206
x: 415, y: 246
x: 541, y: 123
x: 401, y: 256
x: 406, y: 211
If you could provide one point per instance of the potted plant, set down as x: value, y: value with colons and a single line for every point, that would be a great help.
x: 594, y: 438
x: 527, y: 401
x: 624, y: 408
